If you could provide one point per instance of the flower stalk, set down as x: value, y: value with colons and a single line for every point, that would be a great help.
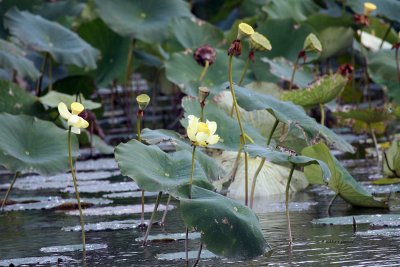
x: 152, y: 218
x: 287, y: 203
x: 9, y: 190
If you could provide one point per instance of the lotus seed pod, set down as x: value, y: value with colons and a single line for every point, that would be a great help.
x: 259, y: 42
x: 369, y: 8
x: 205, y: 53
x: 204, y: 92
x: 312, y: 44
x: 244, y: 31
x: 143, y: 101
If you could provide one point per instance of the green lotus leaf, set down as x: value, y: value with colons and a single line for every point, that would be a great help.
x: 283, y: 68
x: 228, y: 128
x: 282, y: 158
x: 184, y: 71
x: 13, y: 58
x: 322, y: 91
x: 320, y: 22
x: 341, y: 181
x: 15, y: 100
x: 375, y: 219
x: 53, y: 98
x: 42, y: 35
x: 192, y: 33
x: 385, y: 8
x: 294, y: 9
x: 391, y: 164
x: 76, y: 84
x: 367, y: 115
x: 229, y: 229
x: 290, y: 114
x: 141, y: 19
x: 382, y: 70
x: 32, y: 145
x: 154, y: 137
x: 335, y: 40
x: 154, y: 170
x: 386, y: 181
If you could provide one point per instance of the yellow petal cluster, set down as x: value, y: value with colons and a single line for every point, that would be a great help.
x: 72, y: 117
x: 369, y: 8
x: 202, y: 133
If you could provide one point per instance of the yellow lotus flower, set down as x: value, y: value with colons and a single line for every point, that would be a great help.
x: 202, y: 133
x: 73, y: 119
x: 244, y: 30
x: 369, y: 8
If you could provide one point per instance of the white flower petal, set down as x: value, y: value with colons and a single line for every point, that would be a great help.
x: 201, y: 137
x: 75, y: 130
x: 212, y: 126
x: 213, y: 139
x: 193, y: 123
x: 63, y: 110
x: 191, y: 134
x: 74, y: 121
x: 84, y: 123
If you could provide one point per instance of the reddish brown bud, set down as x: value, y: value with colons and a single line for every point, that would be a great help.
x: 361, y: 20
x: 251, y: 55
x: 205, y: 53
x: 302, y: 54
x: 235, y: 49
x: 345, y: 70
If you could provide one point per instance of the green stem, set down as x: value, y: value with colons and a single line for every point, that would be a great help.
x: 242, y: 134
x: 287, y: 203
x: 138, y: 125
x: 166, y: 210
x: 198, y: 255
x: 129, y: 63
x: 246, y: 66
x: 187, y: 246
x: 386, y: 34
x: 39, y: 81
x: 331, y: 203
x: 253, y: 185
x: 192, y: 171
x: 142, y: 215
x: 397, y: 64
x: 71, y: 165
x: 322, y: 109
x: 9, y: 190
x: 153, y: 216
x: 50, y: 74
x: 204, y: 72
x: 372, y: 132
x: 293, y: 73
x: 202, y: 113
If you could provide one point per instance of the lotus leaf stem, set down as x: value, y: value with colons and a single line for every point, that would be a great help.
x: 50, y: 74
x: 246, y: 66
x: 166, y: 210
x: 253, y: 186
x: 204, y: 72
x: 198, y: 255
x: 371, y: 130
x: 71, y: 165
x: 397, y: 64
x: 9, y: 190
x: 242, y: 134
x: 138, y: 128
x: 42, y: 69
x: 187, y: 246
x: 386, y: 34
x: 322, y: 109
x: 294, y: 72
x: 388, y: 165
x: 287, y: 203
x: 153, y: 216
x: 331, y: 203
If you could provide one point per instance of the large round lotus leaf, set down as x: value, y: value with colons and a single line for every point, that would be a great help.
x: 322, y: 91
x: 154, y: 170
x: 13, y: 58
x: 192, y: 33
x: 279, y: 157
x: 76, y: 84
x: 15, y: 100
x: 53, y: 98
x: 386, y: 8
x: 184, y: 71
x: 229, y: 229
x: 368, y: 115
x: 290, y: 114
x: 32, y: 145
x: 335, y: 40
x: 341, y: 181
x: 145, y: 20
x: 114, y: 50
x: 294, y: 9
x: 283, y: 68
x: 320, y: 22
x: 382, y: 70
x: 65, y: 46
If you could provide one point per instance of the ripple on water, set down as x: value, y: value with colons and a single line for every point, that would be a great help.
x: 119, y: 210
x: 70, y: 248
x: 106, y: 226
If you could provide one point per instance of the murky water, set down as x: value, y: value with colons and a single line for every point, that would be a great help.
x: 32, y: 233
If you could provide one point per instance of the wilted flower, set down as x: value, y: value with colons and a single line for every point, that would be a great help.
x: 76, y: 122
x: 345, y: 70
x: 259, y: 42
x: 236, y: 48
x: 312, y: 44
x: 205, y: 53
x: 143, y: 101
x: 369, y: 8
x: 202, y: 133
x: 244, y: 30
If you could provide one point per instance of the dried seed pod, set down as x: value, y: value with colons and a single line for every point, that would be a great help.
x: 143, y: 101
x: 312, y: 44
x: 259, y: 42
x: 205, y: 53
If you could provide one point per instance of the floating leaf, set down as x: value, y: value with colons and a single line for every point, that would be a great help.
x: 71, y: 248
x: 141, y: 19
x: 290, y: 114
x: 205, y: 254
x: 360, y: 219
x: 154, y: 170
x: 184, y: 71
x: 322, y: 91
x: 341, y: 181
x: 229, y: 229
x: 170, y: 237
x: 154, y: 137
x: 105, y: 226
x: 367, y: 115
x: 53, y: 98
x: 13, y: 58
x: 119, y: 210
x: 15, y: 100
x: 42, y: 35
x: 278, y: 157
x: 32, y: 145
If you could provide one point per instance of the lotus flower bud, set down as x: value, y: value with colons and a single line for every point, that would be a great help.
x: 205, y: 53
x: 143, y: 101
x: 312, y: 44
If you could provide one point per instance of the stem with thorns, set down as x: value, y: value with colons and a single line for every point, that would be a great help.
x: 9, y: 190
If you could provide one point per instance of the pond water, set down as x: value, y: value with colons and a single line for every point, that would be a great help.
x: 36, y: 232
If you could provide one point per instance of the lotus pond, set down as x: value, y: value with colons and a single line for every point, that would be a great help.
x: 210, y: 133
